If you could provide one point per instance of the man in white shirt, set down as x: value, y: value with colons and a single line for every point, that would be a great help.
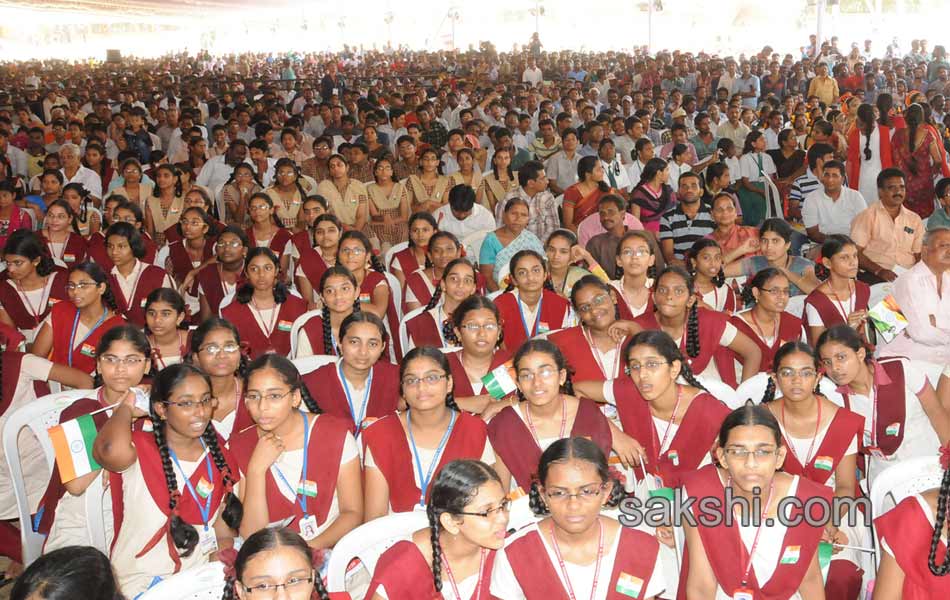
x: 532, y: 74
x: 462, y: 216
x: 772, y: 131
x: 562, y: 166
x: 831, y: 209
x: 216, y: 172
x: 74, y: 172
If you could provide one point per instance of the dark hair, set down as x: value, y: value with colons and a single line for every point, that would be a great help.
x: 212, y: 231
x: 749, y: 414
x: 361, y: 237
x: 156, y: 192
x: 130, y: 233
x: 545, y: 347
x: 816, y: 151
x: 697, y: 247
x: 287, y: 162
x: 169, y: 296
x: 461, y: 198
x: 757, y: 282
x: 777, y: 226
x: 435, y: 355
x: 127, y: 333
x: 27, y: 243
x: 692, y: 319
x: 566, y: 234
x: 94, y: 271
x: 67, y: 573
x: 640, y: 235
x: 528, y: 171
x: 865, y: 116
x: 132, y: 207
x: 786, y: 349
x: 455, y: 485
x: 270, y: 202
x: 364, y: 317
x: 884, y: 103
x: 891, y: 173
x: 751, y: 139
x: 83, y: 198
x: 586, y: 165
x: 73, y: 217
x: 477, y: 302
x: 832, y: 245
x: 270, y: 538
x: 184, y: 535
x: 245, y: 292
x: 335, y: 271
x: 518, y: 256
x: 447, y: 330
x: 638, y: 147
x: 914, y: 117
x: 843, y: 334
x: 288, y: 373
x: 566, y: 449
x: 940, y: 520
x: 834, y: 164
x: 213, y: 324
x: 661, y: 341
x: 425, y: 216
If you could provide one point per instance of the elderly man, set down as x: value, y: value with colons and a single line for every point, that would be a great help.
x: 923, y: 294
x: 74, y: 172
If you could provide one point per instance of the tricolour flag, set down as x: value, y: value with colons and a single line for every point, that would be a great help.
x: 791, y: 555
x: 824, y: 558
x: 501, y: 381
x: 824, y: 462
x: 628, y: 585
x: 72, y: 443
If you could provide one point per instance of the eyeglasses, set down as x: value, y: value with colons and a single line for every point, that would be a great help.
x: 269, y: 590
x: 589, y: 306
x: 777, y: 291
x: 353, y: 251
x: 589, y: 492
x: 231, y: 244
x: 743, y: 453
x: 476, y: 327
x: 260, y: 207
x: 504, y: 507
x: 430, y: 379
x: 637, y: 252
x: 546, y: 372
x: 213, y: 349
x: 129, y: 361
x: 188, y: 405
x: 789, y: 373
x: 650, y: 365
x: 271, y: 397
x: 80, y: 285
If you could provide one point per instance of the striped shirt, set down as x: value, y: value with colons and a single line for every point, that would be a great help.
x: 684, y: 231
x: 802, y: 186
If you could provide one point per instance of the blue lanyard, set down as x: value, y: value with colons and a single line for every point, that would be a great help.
x: 349, y: 400
x: 424, y: 481
x: 301, y: 497
x: 72, y: 336
x: 206, y: 509
x: 530, y: 333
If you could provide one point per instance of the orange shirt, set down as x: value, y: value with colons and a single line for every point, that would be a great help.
x: 887, y: 241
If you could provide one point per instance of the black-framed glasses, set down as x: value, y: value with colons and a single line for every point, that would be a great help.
x: 596, y: 301
x: 503, y: 507
x: 269, y: 590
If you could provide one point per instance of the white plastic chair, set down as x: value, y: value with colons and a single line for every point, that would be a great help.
x: 796, y: 305
x: 753, y: 388
x: 368, y: 541
x: 162, y: 256
x: 40, y: 415
x: 218, y: 199
x: 388, y: 257
x: 501, y: 271
x: 404, y: 333
x: 298, y: 325
x: 205, y: 582
x: 723, y: 391
x: 901, y: 480
x: 308, y: 364
x: 473, y: 245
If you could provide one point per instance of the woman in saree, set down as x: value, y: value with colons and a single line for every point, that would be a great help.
x: 582, y: 198
x: 502, y: 244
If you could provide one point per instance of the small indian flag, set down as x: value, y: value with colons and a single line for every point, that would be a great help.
x: 790, y: 555
x: 307, y: 488
x: 72, y: 443
x: 628, y: 585
x: 824, y: 462
x: 284, y: 325
x: 674, y: 457
x: 893, y: 429
x: 824, y: 558
x: 365, y: 298
x: 88, y: 350
x: 501, y: 381
x: 204, y: 487
x: 69, y: 258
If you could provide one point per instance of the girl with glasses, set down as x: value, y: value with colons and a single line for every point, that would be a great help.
x: 61, y: 235
x: 530, y: 306
x: 636, y: 266
x: 222, y: 277
x: 32, y: 286
x: 822, y: 441
x: 131, y: 279
x: 765, y: 558
x: 263, y: 308
x: 299, y: 467
x: 317, y: 255
x: 453, y: 557
x: 433, y: 326
x: 217, y: 350
x: 133, y: 187
x: 163, y: 529
x: 360, y: 387
x: 841, y: 297
x: 267, y: 230
x: 573, y: 550
x: 198, y: 197
x: 122, y: 361
x: 72, y: 329
x: 403, y: 452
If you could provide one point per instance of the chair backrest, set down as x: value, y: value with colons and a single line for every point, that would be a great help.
x: 796, y: 305
x: 752, y: 388
x: 473, y: 245
x: 388, y: 257
x: 403, y: 333
x: 722, y: 391
x: 308, y: 364
x: 368, y: 541
x: 299, y: 322
x: 162, y: 255
x: 396, y: 293
x: 205, y: 582
x: 39, y: 415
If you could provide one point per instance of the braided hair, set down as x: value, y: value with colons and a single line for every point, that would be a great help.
x: 352, y: 234
x: 73, y: 217
x: 567, y: 449
x: 914, y: 117
x: 455, y: 486
x: 692, y: 318
x: 84, y: 199
x: 335, y: 271
x: 758, y: 282
x: 184, y: 535
x: 832, y: 245
x: 265, y: 540
x: 544, y: 346
x: 270, y: 202
x: 435, y: 355
x: 213, y: 324
x: 786, y: 349
x: 940, y: 520
x: 94, y: 271
x: 287, y: 162
x: 246, y: 291
x: 693, y: 256
x: 866, y: 122
x: 288, y: 374
x: 661, y: 341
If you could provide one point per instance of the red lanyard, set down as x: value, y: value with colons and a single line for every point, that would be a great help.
x: 260, y: 319
x: 527, y: 417
x: 44, y: 298
x: 758, y: 530
x: 62, y: 254
x: 615, y: 370
x: 669, y: 426
x: 567, y: 579
x: 811, y: 445
x: 157, y: 350
x: 478, y: 584
x: 761, y: 331
x: 840, y: 304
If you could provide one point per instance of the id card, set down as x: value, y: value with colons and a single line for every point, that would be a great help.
x: 207, y: 540
x: 743, y: 594
x: 308, y: 527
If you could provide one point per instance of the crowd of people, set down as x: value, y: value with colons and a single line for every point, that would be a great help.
x: 308, y: 292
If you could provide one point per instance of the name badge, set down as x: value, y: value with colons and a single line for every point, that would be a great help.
x: 207, y: 540
x: 909, y: 230
x: 308, y: 527
x: 743, y: 594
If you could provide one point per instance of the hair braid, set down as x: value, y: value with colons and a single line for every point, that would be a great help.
x: 450, y: 401
x: 568, y: 387
x: 692, y: 332
x: 375, y: 263
x: 769, y: 394
x: 720, y: 278
x: 746, y: 295
x: 448, y: 332
x: 327, y: 332
x: 535, y: 501
x: 436, y: 296
x: 436, y: 548
x: 233, y: 509
x: 549, y: 285
x: 308, y: 400
x: 822, y: 272
x: 940, y: 521
x: 686, y: 372
x: 651, y: 271
x: 183, y: 535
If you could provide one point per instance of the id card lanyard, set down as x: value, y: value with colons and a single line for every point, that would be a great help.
x: 205, y: 508
x: 425, y: 479
x: 301, y: 492
x: 361, y: 415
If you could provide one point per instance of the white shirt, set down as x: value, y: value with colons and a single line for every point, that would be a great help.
x: 88, y: 178
x: 533, y: 76
x: 620, y: 174
x: 481, y: 220
x: 832, y: 216
x: 927, y: 336
x: 749, y: 166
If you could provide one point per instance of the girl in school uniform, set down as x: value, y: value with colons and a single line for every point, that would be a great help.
x: 701, y: 333
x: 574, y: 551
x: 271, y: 557
x: 433, y: 327
x: 32, y: 286
x: 316, y: 259
x: 356, y: 254
x: 755, y: 169
x: 122, y: 360
x: 175, y: 481
x: 313, y: 207
x: 298, y: 468
x: 452, y: 557
x: 562, y: 251
x: 402, y: 452
x: 340, y: 298
x: 163, y: 208
x: 131, y: 279
x: 530, y: 306
x: 636, y: 264
x: 61, y: 235
x: 216, y: 281
x: 841, y: 298
x: 267, y: 230
x: 822, y: 441
x: 675, y: 425
x: 87, y: 221
x: 263, y: 308
x: 903, y: 418
x: 72, y: 330
x: 164, y: 325
x: 548, y: 411
x: 362, y: 386
x: 127, y: 213
x: 195, y: 246
x: 443, y: 248
x: 915, y: 560
x: 766, y: 559
x: 197, y: 197
x: 478, y: 330
x: 705, y: 260
x: 409, y: 260
x: 217, y: 350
